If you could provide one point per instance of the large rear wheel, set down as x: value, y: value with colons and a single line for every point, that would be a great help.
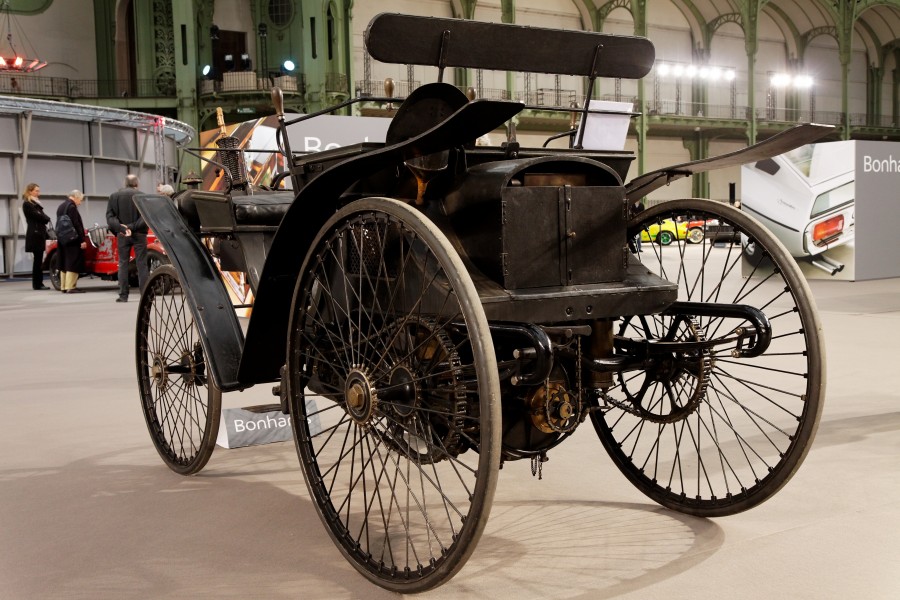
x: 180, y: 402
x: 401, y: 448
x: 717, y: 431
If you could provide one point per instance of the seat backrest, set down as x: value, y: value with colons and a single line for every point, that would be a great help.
x: 438, y: 42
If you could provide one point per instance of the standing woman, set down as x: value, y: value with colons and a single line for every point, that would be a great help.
x: 35, y: 232
x: 71, y: 256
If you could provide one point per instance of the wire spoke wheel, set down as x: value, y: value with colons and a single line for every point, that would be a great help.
x: 400, y: 448
x: 181, y: 404
x: 712, y: 431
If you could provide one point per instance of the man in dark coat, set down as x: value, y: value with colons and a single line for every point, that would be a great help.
x: 71, y: 255
x: 125, y: 221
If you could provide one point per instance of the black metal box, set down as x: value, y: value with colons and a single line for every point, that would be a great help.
x: 561, y: 235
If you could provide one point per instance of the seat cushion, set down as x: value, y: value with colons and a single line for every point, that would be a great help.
x: 262, y: 208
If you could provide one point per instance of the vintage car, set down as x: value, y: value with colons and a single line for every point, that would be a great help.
x: 427, y: 309
x: 667, y: 232
x: 712, y: 230
x: 101, y: 256
x: 806, y: 197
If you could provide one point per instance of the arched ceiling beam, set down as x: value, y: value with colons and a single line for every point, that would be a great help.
x: 604, y: 10
x: 815, y: 32
x: 788, y: 31
x: 588, y: 13
x: 718, y: 22
x: 695, y: 20
x: 870, y: 40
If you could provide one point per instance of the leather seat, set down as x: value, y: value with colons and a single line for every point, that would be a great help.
x: 263, y: 208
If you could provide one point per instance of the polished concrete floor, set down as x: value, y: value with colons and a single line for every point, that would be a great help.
x: 88, y: 510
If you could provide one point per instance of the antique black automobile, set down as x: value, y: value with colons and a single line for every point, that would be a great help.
x: 429, y: 309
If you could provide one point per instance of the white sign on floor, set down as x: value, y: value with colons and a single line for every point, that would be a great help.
x: 240, y: 427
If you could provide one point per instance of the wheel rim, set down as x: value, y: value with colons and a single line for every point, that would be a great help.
x: 719, y: 434
x: 695, y: 236
x: 180, y: 403
x: 665, y: 238
x: 404, y: 466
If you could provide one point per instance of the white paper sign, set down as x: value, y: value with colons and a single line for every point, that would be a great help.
x: 607, y: 131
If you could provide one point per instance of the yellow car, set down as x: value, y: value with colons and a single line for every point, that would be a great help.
x: 665, y: 232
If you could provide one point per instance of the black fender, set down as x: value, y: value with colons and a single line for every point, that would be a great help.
x: 266, y: 341
x: 781, y: 142
x: 210, y: 304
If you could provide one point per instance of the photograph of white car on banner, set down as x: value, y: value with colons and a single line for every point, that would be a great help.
x: 807, y: 198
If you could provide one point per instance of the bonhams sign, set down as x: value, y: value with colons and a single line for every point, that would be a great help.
x: 249, y: 427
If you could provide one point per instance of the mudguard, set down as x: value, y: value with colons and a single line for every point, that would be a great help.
x: 266, y: 341
x: 210, y: 305
x: 779, y: 143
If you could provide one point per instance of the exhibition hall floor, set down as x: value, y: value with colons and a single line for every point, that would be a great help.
x: 88, y: 510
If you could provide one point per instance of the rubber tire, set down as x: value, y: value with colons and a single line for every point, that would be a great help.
x: 621, y: 431
x: 326, y: 495
x: 192, y: 409
x: 53, y: 267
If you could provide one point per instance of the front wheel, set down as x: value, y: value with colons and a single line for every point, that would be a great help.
x: 400, y: 449
x: 713, y: 431
x: 180, y: 402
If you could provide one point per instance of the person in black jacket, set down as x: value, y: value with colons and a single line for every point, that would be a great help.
x: 71, y: 255
x: 35, y: 232
x: 125, y: 221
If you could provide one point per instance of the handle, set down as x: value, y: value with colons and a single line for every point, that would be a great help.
x: 278, y: 101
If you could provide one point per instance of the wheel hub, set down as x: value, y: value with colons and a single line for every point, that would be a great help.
x: 359, y: 397
x: 159, y: 373
x: 402, y: 392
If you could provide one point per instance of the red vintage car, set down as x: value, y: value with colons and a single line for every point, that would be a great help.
x: 101, y: 256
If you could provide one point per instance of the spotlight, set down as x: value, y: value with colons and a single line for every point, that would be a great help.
x: 262, y: 30
x: 229, y: 62
x: 729, y: 75
x: 206, y: 70
x: 289, y: 65
x: 703, y: 73
x: 245, y: 62
x: 715, y: 73
x: 678, y: 70
x: 780, y: 80
x: 803, y: 81
x: 663, y: 69
x: 214, y: 33
x: 690, y: 71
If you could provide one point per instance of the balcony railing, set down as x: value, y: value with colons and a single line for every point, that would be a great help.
x: 790, y: 115
x: 251, y: 81
x: 62, y: 87
x: 402, y: 88
x: 547, y: 97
